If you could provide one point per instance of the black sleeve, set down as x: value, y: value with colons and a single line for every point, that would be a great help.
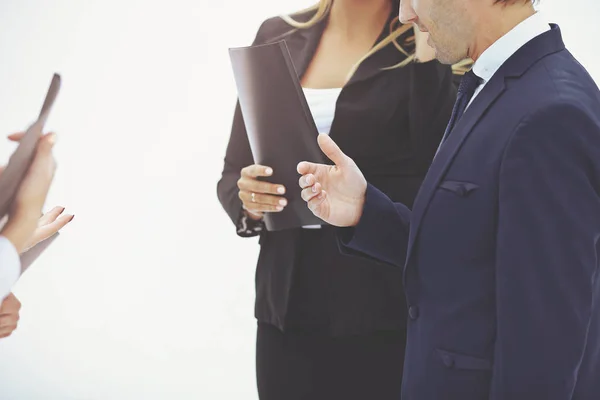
x: 433, y: 89
x: 238, y: 155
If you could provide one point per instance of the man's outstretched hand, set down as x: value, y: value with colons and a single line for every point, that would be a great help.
x: 336, y: 194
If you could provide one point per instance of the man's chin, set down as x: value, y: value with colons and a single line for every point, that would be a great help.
x: 445, y: 58
x: 430, y: 42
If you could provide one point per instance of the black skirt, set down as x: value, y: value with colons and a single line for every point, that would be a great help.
x: 303, y: 365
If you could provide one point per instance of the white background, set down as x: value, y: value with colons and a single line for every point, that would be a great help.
x: 149, y: 293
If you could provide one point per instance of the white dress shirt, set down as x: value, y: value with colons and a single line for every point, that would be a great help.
x: 494, y: 56
x: 10, y: 267
x: 322, y: 103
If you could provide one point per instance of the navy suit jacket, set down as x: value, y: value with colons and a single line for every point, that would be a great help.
x: 501, y: 250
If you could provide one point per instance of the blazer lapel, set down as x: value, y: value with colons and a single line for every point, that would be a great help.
x: 386, y: 57
x: 539, y: 47
x: 492, y: 90
x: 302, y: 44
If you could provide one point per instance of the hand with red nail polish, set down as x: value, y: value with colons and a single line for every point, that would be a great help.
x: 49, y: 224
x: 24, y: 227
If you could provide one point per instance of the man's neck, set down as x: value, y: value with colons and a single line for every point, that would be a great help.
x: 354, y: 18
x: 498, y: 23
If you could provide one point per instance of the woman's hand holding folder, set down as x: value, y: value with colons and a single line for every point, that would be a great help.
x: 258, y: 196
x: 51, y: 222
x: 24, y: 216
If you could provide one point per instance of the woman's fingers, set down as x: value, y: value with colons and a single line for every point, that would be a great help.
x: 51, y: 216
x: 262, y: 202
x: 255, y: 171
x: 254, y: 186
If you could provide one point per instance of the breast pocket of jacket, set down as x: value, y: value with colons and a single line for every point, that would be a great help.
x: 458, y: 188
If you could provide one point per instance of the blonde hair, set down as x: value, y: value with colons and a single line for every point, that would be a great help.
x: 322, y: 9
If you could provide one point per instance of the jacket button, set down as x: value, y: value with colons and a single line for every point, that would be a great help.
x: 413, y: 312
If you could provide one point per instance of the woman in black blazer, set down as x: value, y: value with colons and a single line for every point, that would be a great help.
x: 330, y: 326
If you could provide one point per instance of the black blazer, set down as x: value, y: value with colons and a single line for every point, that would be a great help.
x: 390, y: 122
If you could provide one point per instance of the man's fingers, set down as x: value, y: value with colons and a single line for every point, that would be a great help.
x: 308, y: 168
x: 310, y: 192
x: 307, y: 181
x: 332, y: 150
x: 51, y: 216
x: 316, y: 204
x: 254, y: 171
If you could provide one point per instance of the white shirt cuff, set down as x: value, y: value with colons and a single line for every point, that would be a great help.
x: 10, y: 267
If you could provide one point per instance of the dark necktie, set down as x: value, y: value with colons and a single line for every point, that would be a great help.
x: 466, y: 90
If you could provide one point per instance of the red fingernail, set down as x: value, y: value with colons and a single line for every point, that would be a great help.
x: 72, y: 216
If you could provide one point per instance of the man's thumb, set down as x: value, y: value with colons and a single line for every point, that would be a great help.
x: 332, y: 150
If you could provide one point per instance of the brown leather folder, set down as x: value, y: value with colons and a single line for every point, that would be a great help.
x: 18, y: 165
x: 280, y: 127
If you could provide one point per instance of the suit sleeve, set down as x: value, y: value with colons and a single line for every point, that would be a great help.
x: 237, y: 156
x: 547, y: 249
x: 433, y: 92
x: 382, y: 232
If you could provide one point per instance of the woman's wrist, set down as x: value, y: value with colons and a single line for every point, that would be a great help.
x: 19, y: 231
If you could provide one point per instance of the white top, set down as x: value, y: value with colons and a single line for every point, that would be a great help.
x: 321, y: 103
x: 494, y: 56
x: 10, y: 267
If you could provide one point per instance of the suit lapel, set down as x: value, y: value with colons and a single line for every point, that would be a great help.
x: 539, y: 47
x: 492, y: 90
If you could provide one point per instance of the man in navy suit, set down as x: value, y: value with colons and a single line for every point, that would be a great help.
x: 501, y: 251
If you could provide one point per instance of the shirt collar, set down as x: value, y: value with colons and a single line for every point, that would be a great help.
x: 494, y: 56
